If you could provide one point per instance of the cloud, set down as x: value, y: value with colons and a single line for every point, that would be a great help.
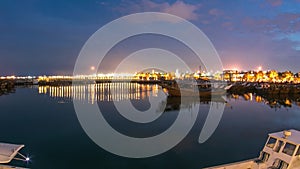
x: 179, y: 8
x: 282, y: 23
x: 102, y: 3
x: 274, y: 3
x: 215, y: 12
x: 239, y: 35
x: 253, y: 49
x: 228, y: 25
x: 183, y: 10
x: 253, y: 41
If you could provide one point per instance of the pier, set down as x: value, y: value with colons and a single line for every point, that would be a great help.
x: 266, y: 89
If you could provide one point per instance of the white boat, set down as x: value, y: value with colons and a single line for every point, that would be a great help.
x: 9, y: 152
x: 281, y: 151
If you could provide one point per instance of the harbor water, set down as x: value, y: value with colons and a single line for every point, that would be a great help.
x: 43, y: 118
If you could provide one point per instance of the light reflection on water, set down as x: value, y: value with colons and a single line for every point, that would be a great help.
x: 101, y: 92
x: 106, y: 92
x: 273, y: 101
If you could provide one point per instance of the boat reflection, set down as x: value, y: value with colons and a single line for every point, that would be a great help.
x: 6, y: 87
x: 274, y: 101
x: 7, y: 91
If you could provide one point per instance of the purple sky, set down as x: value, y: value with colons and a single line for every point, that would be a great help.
x: 45, y: 37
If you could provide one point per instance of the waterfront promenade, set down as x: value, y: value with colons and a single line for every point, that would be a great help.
x: 270, y: 82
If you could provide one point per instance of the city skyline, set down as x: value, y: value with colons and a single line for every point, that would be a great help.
x: 42, y: 37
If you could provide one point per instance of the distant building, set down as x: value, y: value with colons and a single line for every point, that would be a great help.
x: 177, y: 74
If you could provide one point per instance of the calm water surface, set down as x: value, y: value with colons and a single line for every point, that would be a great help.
x: 43, y: 118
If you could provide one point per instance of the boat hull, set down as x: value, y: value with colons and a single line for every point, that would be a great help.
x: 176, y: 92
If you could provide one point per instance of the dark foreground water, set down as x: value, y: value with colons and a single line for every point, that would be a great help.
x: 45, y: 121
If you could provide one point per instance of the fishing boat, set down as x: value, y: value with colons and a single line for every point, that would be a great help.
x: 281, y: 151
x: 9, y: 152
x: 192, y: 89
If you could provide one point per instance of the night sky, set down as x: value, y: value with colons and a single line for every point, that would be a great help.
x: 45, y: 37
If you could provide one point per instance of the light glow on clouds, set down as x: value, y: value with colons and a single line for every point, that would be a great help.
x: 45, y: 37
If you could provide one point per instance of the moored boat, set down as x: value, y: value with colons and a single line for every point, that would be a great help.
x: 185, y: 89
x: 9, y: 152
x: 281, y: 151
